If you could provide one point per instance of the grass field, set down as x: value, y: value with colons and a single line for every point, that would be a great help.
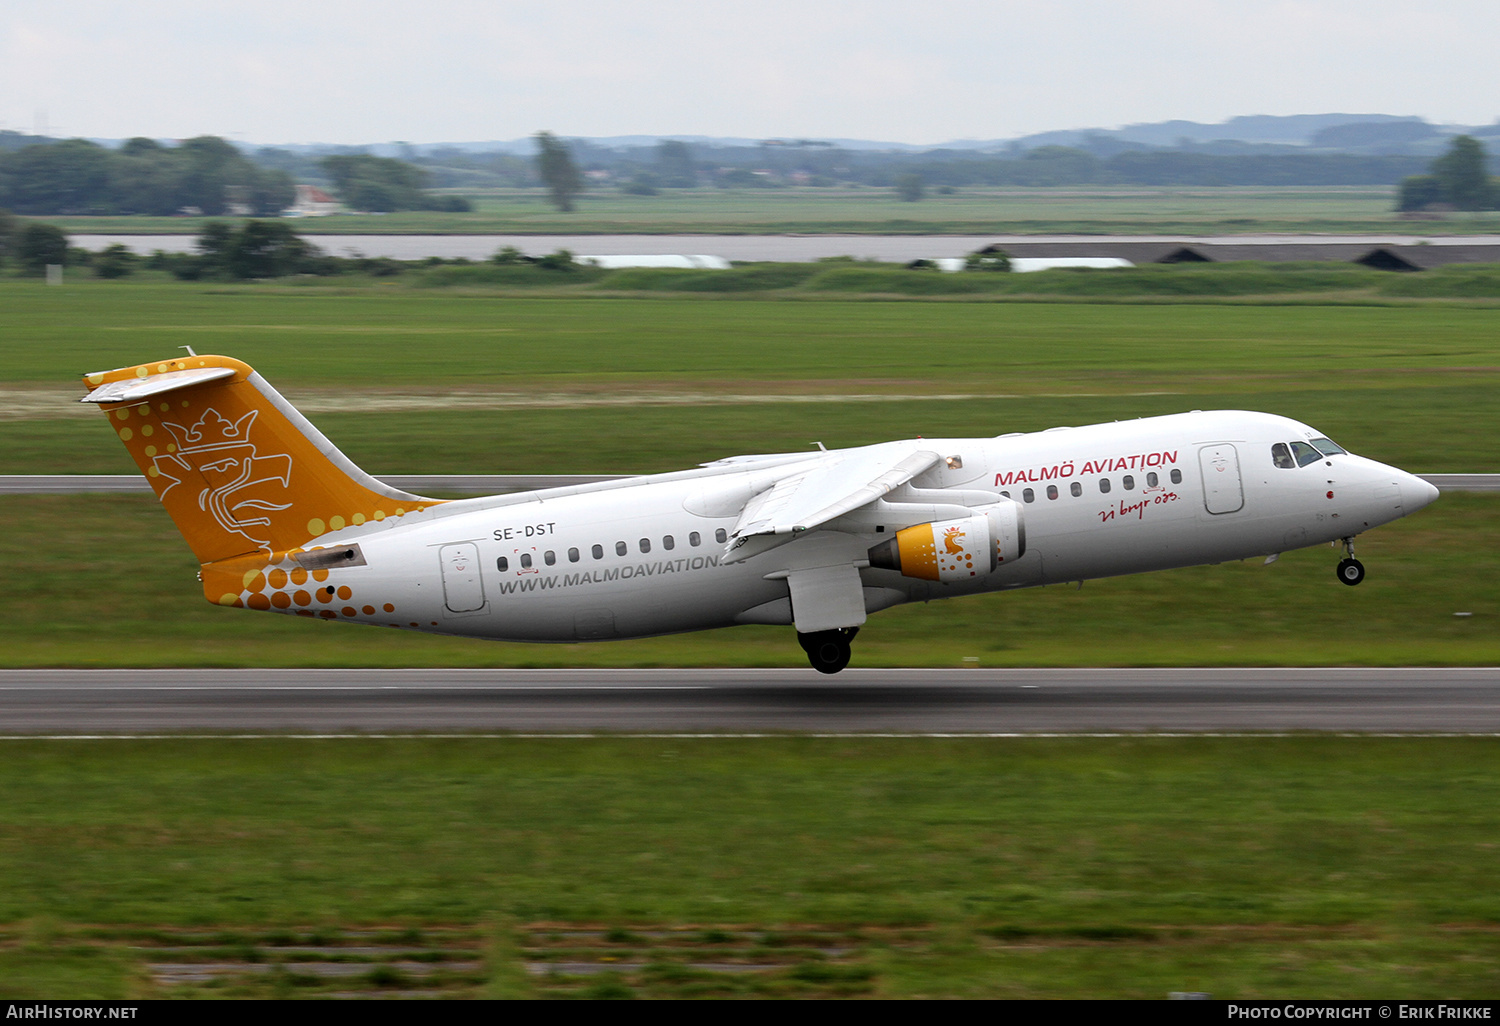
x: 1274, y: 867
x: 1102, y: 210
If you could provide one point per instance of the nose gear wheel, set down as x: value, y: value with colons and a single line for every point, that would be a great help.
x: 1350, y: 570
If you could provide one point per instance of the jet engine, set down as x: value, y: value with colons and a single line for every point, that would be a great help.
x: 956, y: 550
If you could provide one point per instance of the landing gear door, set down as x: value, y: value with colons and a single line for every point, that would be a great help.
x: 826, y: 598
x: 1220, y: 466
x: 463, y: 592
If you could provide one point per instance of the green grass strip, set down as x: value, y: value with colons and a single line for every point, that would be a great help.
x: 1302, y: 866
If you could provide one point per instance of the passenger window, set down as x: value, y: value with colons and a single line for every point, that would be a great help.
x: 1075, y: 489
x: 1052, y: 491
x: 1305, y: 453
x: 645, y: 544
x: 668, y: 543
x: 502, y: 564
x: 597, y: 551
x: 1006, y: 494
x: 621, y: 548
x: 1128, y: 482
x: 1151, y: 479
x: 525, y: 560
x: 1104, y: 486
x: 695, y: 539
x: 1177, y: 477
x: 721, y: 535
x: 549, y: 557
x: 1282, y: 456
x: 1028, y: 495
x: 572, y: 555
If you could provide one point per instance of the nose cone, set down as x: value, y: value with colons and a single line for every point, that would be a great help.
x: 1416, y: 493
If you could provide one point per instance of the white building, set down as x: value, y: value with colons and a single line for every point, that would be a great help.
x: 695, y: 262
x: 313, y: 202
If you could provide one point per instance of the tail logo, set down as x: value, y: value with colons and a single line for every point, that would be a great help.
x: 240, y: 480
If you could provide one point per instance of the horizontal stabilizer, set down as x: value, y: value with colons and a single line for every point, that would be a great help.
x: 133, y: 390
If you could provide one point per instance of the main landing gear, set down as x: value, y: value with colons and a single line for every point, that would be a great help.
x: 828, y: 651
x: 1350, y: 570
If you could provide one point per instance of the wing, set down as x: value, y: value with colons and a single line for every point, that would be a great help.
x: 829, y: 487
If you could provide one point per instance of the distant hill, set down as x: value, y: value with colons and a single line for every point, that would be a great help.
x: 1376, y: 133
x: 1342, y: 133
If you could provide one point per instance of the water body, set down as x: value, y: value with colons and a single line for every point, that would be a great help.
x: 736, y: 247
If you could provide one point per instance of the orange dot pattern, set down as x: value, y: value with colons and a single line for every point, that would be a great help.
x: 282, y: 587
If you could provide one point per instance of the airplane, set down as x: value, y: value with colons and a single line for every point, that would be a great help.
x: 280, y: 520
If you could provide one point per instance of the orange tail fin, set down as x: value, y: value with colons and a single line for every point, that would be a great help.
x: 238, y: 469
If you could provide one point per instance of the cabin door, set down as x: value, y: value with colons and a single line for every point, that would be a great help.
x: 1220, y: 466
x: 463, y: 592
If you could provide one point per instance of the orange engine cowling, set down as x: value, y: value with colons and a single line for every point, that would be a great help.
x: 956, y: 550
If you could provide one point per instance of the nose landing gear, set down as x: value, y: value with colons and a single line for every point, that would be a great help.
x: 1350, y: 570
x: 828, y: 651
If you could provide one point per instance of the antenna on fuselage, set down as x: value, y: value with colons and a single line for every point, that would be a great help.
x: 189, y: 349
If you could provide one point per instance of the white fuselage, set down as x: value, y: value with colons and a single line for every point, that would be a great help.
x: 648, y: 555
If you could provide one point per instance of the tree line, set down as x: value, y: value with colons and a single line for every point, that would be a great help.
x: 205, y: 174
x: 562, y: 168
x: 212, y: 177
x: 673, y: 164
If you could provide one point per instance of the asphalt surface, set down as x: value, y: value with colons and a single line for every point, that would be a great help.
x: 974, y: 701
x: 489, y: 484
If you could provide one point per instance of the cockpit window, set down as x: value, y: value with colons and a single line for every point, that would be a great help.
x: 1327, y: 447
x: 1305, y: 453
x: 1282, y: 456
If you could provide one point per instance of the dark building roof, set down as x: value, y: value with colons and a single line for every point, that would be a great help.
x: 1380, y: 257
x: 1422, y: 258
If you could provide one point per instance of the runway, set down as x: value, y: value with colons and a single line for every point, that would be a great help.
x: 871, y: 701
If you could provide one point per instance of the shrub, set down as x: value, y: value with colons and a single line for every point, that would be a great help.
x: 116, y: 261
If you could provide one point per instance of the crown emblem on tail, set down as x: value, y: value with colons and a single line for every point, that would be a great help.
x: 240, y: 483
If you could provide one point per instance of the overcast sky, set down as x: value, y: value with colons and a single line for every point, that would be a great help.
x: 458, y: 70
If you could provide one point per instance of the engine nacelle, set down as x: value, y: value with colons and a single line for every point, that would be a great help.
x: 956, y: 550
